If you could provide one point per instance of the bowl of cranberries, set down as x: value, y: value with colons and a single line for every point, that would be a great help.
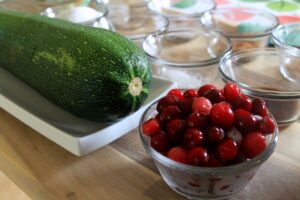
x: 208, y: 142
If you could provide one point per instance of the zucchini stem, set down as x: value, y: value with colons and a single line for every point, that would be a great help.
x: 136, y: 86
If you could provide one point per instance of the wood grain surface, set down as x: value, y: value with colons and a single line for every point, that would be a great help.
x: 9, y: 191
x: 122, y: 170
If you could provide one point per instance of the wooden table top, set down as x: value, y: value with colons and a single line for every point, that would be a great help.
x: 122, y: 170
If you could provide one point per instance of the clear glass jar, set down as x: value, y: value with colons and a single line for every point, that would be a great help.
x: 92, y: 14
x: 126, y: 7
x: 258, y: 74
x: 286, y: 38
x: 188, y: 57
x: 137, y: 27
x: 50, y: 3
x: 182, y: 14
x: 246, y: 27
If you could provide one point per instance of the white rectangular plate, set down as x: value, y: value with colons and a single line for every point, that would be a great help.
x: 76, y: 135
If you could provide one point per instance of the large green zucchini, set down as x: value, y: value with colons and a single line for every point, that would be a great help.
x: 91, y: 72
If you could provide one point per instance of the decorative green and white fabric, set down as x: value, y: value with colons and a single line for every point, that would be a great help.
x: 286, y: 10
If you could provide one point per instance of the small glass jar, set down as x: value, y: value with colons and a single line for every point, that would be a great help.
x: 189, y: 57
x: 182, y: 14
x: 286, y: 38
x: 130, y: 3
x: 257, y: 73
x: 126, y: 7
x: 137, y: 27
x: 246, y: 27
x: 52, y: 3
x: 92, y: 14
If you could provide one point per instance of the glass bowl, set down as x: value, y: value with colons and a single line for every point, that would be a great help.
x: 182, y: 14
x: 122, y: 7
x: 92, y: 14
x: 258, y: 74
x: 189, y: 57
x: 43, y: 4
x: 287, y: 40
x: 137, y: 27
x: 196, y: 182
x: 130, y: 3
x: 246, y: 27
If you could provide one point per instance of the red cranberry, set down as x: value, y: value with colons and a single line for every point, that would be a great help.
x: 169, y: 113
x: 157, y: 117
x: 214, y: 134
x: 186, y: 106
x: 267, y: 125
x: 150, y: 127
x: 253, y: 144
x: 231, y: 92
x: 245, y: 121
x: 227, y: 150
x: 257, y: 117
x: 259, y: 107
x: 243, y: 102
x: 167, y: 101
x: 213, y: 161
x: 178, y: 154
x: 203, y: 89
x: 197, y: 120
x: 240, y: 158
x: 222, y: 92
x: 176, y: 92
x: 202, y: 105
x: 193, y: 137
x: 197, y: 156
x: 235, y: 134
x: 160, y: 142
x: 222, y: 115
x: 175, y: 130
x: 214, y: 95
x: 190, y: 93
